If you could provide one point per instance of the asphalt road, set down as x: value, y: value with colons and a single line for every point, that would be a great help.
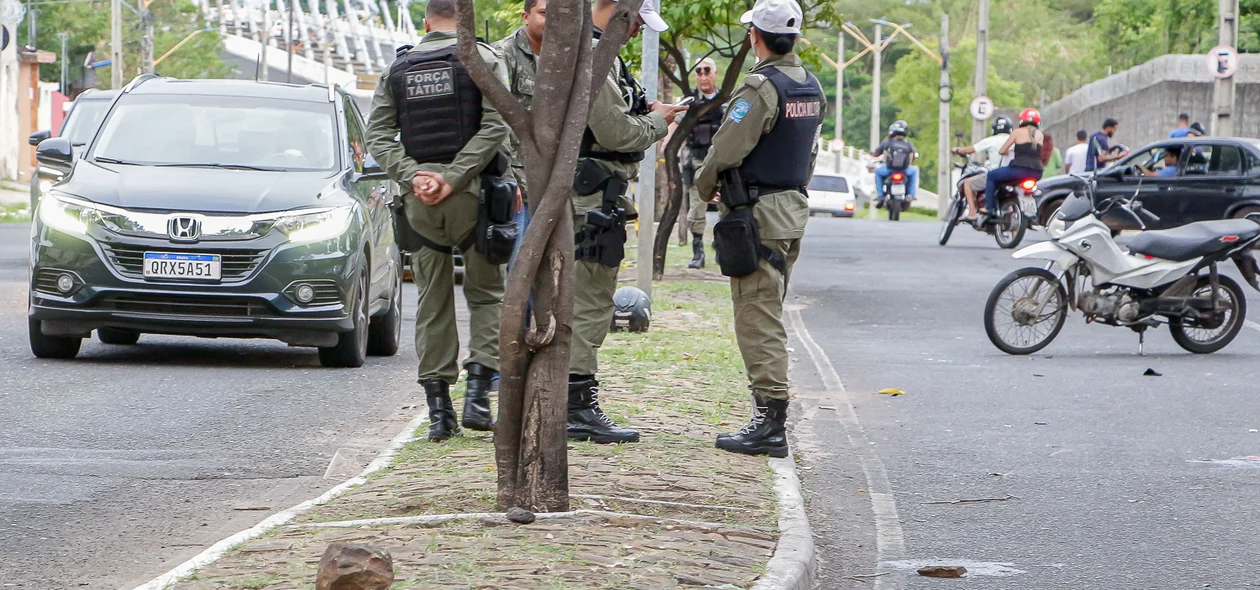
x: 121, y: 464
x: 1099, y: 477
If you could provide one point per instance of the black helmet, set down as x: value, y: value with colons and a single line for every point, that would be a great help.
x: 633, y: 310
x: 1003, y: 124
x: 898, y: 128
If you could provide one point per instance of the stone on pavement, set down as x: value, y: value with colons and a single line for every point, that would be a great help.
x: 348, y: 566
x: 943, y: 571
x: 520, y: 515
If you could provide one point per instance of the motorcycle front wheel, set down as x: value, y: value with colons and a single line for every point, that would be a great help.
x: 1208, y: 335
x: 1010, y: 225
x: 952, y: 216
x: 894, y: 208
x: 1025, y: 311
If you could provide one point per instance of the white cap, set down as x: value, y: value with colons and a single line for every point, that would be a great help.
x: 775, y: 16
x: 651, y: 17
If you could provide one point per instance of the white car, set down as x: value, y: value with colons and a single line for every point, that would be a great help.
x: 831, y: 194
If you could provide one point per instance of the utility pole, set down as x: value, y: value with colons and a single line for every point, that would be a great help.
x: 982, y: 67
x: 647, y: 168
x: 146, y: 43
x: 288, y: 45
x: 65, y: 41
x: 943, y: 180
x: 1223, y: 93
x: 32, y: 14
x: 840, y: 91
x: 879, y: 62
x: 115, y: 44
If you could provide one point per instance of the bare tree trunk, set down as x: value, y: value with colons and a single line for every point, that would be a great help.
x: 672, y: 162
x: 530, y: 437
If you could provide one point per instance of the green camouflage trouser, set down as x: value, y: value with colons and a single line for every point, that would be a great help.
x: 758, y: 300
x: 437, y: 338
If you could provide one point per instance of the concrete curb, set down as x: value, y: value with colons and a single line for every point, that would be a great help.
x: 792, y: 566
x: 214, y: 552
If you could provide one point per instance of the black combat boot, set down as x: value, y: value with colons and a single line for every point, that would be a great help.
x: 587, y: 421
x: 442, y: 422
x: 697, y: 249
x: 766, y: 434
x: 477, y: 398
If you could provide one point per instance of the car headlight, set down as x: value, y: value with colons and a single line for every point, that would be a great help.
x: 66, y: 214
x: 44, y: 185
x: 316, y: 225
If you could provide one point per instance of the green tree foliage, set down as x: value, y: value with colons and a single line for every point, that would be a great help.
x: 502, y: 18
x: 914, y: 90
x: 87, y: 25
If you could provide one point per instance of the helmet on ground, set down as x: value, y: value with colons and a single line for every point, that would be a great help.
x: 898, y: 128
x: 1003, y: 124
x: 632, y: 310
x: 1030, y: 117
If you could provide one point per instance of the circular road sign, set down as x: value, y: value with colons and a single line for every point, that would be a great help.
x: 982, y: 108
x: 1223, y: 61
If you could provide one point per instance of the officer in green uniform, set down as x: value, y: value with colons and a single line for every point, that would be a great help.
x: 622, y: 125
x: 432, y: 131
x: 762, y: 158
x: 520, y: 52
x: 698, y: 143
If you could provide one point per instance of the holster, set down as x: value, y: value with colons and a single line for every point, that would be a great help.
x: 602, y: 238
x: 737, y: 237
x: 408, y: 239
x: 496, y: 232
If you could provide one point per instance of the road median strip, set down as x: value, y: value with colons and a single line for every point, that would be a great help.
x: 669, y: 511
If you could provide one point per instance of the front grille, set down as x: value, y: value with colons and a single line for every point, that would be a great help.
x: 186, y: 305
x: 237, y: 264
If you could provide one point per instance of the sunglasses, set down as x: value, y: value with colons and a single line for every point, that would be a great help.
x: 705, y: 71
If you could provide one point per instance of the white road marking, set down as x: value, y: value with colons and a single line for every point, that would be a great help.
x: 217, y: 550
x: 1251, y: 324
x: 890, y: 542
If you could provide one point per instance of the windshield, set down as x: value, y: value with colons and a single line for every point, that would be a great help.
x: 194, y: 130
x: 85, y: 118
x: 835, y: 184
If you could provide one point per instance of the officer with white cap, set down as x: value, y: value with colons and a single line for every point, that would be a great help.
x: 761, y: 161
x: 621, y: 127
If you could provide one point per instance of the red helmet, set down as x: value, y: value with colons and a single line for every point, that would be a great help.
x: 1030, y: 117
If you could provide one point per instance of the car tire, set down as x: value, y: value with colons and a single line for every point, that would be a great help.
x: 51, y: 347
x: 351, y: 348
x: 118, y: 336
x: 385, y: 331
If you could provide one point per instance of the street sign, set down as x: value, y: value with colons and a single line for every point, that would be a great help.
x: 982, y: 108
x: 1223, y: 61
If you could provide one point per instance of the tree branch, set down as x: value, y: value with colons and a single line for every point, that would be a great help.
x: 513, y: 112
x: 681, y: 78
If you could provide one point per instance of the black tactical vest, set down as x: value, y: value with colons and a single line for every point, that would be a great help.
x: 701, y: 137
x: 438, y: 104
x: 781, y: 159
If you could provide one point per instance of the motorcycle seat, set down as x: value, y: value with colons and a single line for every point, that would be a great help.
x: 1194, y: 240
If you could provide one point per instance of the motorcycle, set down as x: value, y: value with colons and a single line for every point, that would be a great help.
x: 895, y: 195
x: 1017, y: 208
x: 1166, y: 277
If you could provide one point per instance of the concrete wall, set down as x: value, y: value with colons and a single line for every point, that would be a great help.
x: 1147, y: 99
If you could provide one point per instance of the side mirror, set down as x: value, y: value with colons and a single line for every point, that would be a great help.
x: 1113, y: 173
x: 55, y: 153
x: 39, y: 136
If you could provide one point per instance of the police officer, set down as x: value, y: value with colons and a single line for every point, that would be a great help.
x: 520, y: 52
x: 768, y: 141
x: 697, y: 148
x: 622, y: 125
x: 432, y: 131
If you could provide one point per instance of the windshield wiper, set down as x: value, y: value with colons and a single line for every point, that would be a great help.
x: 223, y: 166
x: 106, y: 160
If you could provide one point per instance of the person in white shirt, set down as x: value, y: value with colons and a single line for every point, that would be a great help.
x: 991, y: 148
x: 1074, y: 157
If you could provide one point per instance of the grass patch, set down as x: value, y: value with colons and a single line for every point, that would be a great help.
x: 15, y: 213
x: 913, y: 214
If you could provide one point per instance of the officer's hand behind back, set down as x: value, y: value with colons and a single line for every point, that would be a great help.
x: 431, y: 188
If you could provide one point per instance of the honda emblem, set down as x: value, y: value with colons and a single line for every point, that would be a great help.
x: 184, y: 229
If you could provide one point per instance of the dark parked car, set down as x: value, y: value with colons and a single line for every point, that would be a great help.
x: 1215, y: 178
x: 79, y: 126
x: 218, y: 208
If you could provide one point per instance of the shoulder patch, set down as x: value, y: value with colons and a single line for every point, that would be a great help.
x: 739, y: 110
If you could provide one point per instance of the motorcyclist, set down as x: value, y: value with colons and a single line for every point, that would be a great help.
x: 897, y: 154
x: 1024, y: 145
x: 991, y: 148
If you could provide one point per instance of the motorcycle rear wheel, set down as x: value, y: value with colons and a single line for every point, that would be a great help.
x: 894, y: 208
x: 1017, y: 319
x: 1009, y: 215
x: 951, y: 219
x: 1212, y: 337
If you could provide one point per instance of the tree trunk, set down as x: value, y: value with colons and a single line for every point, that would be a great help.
x: 672, y: 162
x: 535, y: 335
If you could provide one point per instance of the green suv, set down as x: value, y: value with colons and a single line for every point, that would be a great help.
x: 221, y: 209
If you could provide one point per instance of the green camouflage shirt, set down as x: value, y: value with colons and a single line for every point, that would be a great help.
x: 522, y: 68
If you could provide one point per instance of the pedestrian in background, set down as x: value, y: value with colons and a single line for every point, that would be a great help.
x: 1183, y: 127
x: 1100, y: 147
x: 1074, y: 157
x: 698, y: 144
x: 1051, y: 157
